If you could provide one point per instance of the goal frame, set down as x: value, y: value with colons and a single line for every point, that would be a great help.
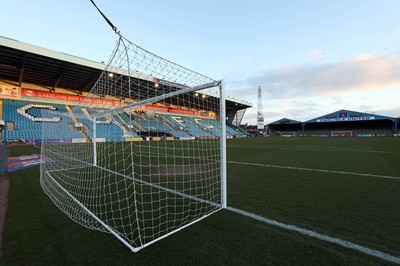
x: 84, y: 182
x: 287, y: 134
x: 341, y: 133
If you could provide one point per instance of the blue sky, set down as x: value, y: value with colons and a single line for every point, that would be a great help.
x: 310, y: 57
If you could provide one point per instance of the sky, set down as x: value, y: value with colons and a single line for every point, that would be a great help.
x: 310, y: 57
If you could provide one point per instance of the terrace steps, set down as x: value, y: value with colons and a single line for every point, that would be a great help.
x: 77, y: 122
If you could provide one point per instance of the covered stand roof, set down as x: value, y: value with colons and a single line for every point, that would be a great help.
x: 25, y: 63
x: 348, y: 116
x: 285, y: 121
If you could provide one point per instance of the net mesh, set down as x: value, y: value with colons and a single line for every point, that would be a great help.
x: 147, y: 159
x: 342, y: 133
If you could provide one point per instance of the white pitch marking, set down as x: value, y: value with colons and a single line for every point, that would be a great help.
x: 315, y: 170
x: 314, y: 148
x: 326, y: 238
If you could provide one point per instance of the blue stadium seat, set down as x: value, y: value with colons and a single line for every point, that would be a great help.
x: 28, y: 120
x: 26, y: 117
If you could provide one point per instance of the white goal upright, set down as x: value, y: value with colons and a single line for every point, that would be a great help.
x: 138, y: 167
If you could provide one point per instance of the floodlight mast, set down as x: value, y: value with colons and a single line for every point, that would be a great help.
x: 260, y: 116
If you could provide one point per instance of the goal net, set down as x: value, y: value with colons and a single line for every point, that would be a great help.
x: 144, y: 153
x: 342, y: 133
x: 287, y: 134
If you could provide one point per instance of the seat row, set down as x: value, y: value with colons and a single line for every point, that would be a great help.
x: 27, y: 119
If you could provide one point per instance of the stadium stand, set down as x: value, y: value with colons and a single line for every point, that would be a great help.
x: 194, y: 128
x: 108, y: 128
x: 150, y: 122
x: 207, y: 125
x: 178, y: 131
x: 342, y: 123
x: 285, y: 127
x: 238, y: 131
x: 25, y: 120
x: 76, y: 76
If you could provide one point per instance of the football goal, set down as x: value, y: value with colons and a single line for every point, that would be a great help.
x: 138, y: 166
x: 287, y: 134
x: 342, y: 133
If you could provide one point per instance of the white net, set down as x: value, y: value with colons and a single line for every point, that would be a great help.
x: 148, y: 158
x: 287, y: 134
x: 342, y: 133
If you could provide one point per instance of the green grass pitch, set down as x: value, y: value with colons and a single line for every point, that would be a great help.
x: 340, y: 187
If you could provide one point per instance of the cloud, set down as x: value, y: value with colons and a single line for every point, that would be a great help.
x: 315, y: 54
x: 293, y: 108
x: 246, y: 59
x: 366, y: 83
x: 362, y: 73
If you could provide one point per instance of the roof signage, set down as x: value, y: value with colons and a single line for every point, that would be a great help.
x: 344, y: 119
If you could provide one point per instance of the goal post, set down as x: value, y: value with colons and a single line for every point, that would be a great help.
x: 342, y: 133
x: 224, y: 192
x: 139, y: 167
x: 287, y: 134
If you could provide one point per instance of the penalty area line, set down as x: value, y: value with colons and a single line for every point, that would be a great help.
x: 322, y: 237
x: 315, y: 170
